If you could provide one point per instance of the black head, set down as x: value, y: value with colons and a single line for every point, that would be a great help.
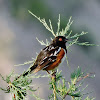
x: 60, y: 41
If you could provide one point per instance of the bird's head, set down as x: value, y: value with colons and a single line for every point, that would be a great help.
x: 60, y: 41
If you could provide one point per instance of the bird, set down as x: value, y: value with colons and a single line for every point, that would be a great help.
x: 51, y: 56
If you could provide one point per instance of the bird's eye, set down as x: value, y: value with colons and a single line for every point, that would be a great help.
x: 60, y: 39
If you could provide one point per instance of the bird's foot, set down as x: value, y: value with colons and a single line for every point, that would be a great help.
x: 53, y: 75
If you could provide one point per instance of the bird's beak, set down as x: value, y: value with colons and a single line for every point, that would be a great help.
x: 66, y: 40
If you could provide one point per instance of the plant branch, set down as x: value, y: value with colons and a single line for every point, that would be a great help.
x: 81, y: 78
x: 53, y: 77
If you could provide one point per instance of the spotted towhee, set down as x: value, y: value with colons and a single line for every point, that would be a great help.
x: 51, y: 56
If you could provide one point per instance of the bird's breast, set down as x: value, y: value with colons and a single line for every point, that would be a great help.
x: 60, y: 58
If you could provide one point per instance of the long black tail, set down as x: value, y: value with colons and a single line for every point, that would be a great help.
x: 30, y: 70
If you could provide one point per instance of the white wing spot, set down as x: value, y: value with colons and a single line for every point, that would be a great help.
x: 56, y: 52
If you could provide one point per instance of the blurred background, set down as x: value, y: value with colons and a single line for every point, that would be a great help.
x: 19, y: 29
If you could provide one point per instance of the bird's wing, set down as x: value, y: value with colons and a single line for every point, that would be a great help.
x: 47, y: 58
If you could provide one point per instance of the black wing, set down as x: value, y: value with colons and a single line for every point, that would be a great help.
x: 46, y: 57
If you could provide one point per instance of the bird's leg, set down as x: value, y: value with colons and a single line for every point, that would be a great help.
x: 53, y: 75
x: 49, y: 73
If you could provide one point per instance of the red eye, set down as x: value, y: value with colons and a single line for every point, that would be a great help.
x: 60, y: 39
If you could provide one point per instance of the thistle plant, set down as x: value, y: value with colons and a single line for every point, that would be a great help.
x: 61, y: 88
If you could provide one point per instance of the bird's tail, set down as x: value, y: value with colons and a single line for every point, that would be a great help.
x: 30, y: 70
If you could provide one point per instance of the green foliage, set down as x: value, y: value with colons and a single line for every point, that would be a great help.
x: 73, y: 39
x: 19, y: 87
x: 73, y: 88
x: 77, y: 73
x: 61, y: 88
